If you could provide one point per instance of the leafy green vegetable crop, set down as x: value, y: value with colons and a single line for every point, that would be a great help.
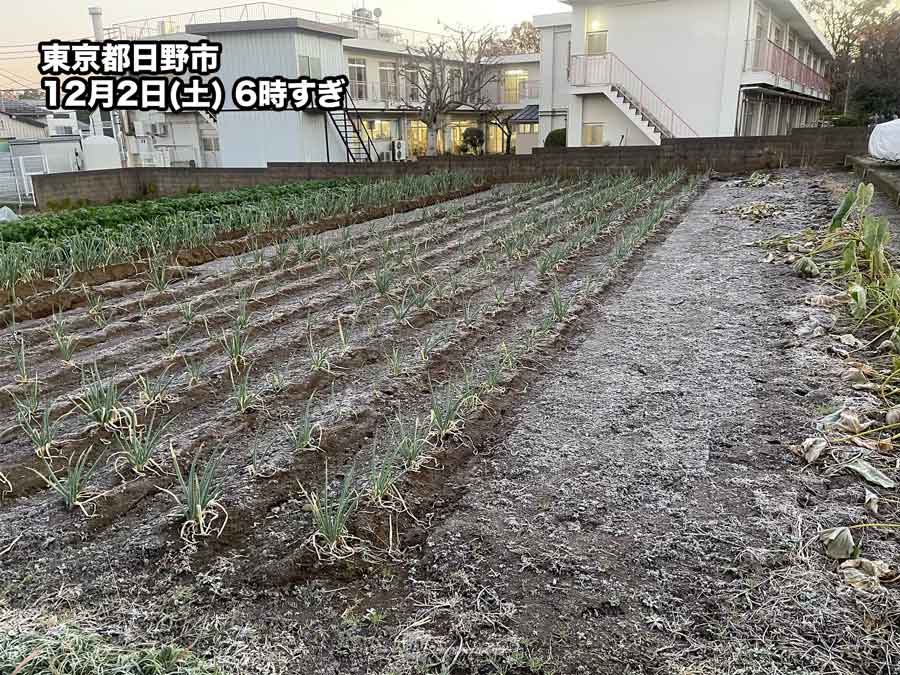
x: 114, y: 216
x: 92, y: 246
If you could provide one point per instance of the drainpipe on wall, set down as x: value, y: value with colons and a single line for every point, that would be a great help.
x: 97, y: 23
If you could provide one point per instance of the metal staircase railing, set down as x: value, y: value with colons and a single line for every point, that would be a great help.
x: 359, y: 144
x: 608, y: 69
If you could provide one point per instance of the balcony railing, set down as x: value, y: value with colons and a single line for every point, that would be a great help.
x: 389, y: 91
x: 393, y: 92
x: 766, y: 56
x: 359, y: 90
x: 609, y: 70
x: 529, y: 89
x: 366, y: 28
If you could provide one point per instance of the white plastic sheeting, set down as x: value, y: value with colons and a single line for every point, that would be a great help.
x: 884, y: 143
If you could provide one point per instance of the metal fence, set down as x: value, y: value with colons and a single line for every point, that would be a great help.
x: 10, y: 193
x: 367, y: 28
x: 15, y: 177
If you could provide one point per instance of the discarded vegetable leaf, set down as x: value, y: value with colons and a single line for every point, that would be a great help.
x: 865, y: 575
x: 870, y: 473
x: 812, y: 448
x: 839, y: 543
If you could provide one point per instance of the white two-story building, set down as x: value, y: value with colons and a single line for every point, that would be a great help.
x: 261, y: 39
x: 611, y: 72
x: 632, y: 72
x: 376, y: 62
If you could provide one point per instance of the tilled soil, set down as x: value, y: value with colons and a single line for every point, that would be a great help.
x: 626, y: 501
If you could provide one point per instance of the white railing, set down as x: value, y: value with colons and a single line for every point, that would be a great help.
x: 359, y: 89
x: 389, y: 91
x: 608, y: 69
x: 252, y: 11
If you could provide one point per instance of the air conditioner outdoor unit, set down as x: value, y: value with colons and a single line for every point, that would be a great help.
x: 398, y: 151
x: 384, y: 155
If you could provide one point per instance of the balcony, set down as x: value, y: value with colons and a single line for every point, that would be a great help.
x: 389, y: 91
x: 770, y: 64
x: 384, y: 95
x: 359, y: 89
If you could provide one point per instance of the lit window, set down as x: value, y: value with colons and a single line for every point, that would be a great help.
x: 596, y: 42
x: 592, y: 133
x: 381, y: 130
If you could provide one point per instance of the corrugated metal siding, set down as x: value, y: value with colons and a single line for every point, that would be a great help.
x: 255, y: 138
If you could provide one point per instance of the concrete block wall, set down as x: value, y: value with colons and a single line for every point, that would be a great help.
x: 803, y: 147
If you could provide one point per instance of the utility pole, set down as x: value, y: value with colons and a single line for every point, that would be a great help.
x: 847, y: 90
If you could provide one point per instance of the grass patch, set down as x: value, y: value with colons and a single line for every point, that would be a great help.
x: 68, y: 651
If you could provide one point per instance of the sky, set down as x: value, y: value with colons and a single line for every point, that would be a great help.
x: 25, y: 23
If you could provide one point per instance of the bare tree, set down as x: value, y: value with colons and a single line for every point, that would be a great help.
x: 449, y: 74
x: 843, y: 22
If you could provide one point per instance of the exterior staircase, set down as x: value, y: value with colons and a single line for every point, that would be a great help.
x: 608, y: 74
x: 353, y: 133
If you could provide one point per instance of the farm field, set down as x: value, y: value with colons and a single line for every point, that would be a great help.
x: 69, y: 221
x: 538, y: 428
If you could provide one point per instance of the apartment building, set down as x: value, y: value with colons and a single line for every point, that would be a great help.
x: 612, y: 72
x: 263, y: 40
x: 380, y: 85
x: 638, y: 71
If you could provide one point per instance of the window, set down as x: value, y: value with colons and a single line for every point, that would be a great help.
x: 309, y: 66
x: 60, y: 116
x: 513, y: 80
x: 387, y: 76
x: 528, y: 128
x: 209, y: 143
x: 495, y: 141
x: 777, y: 35
x: 411, y: 75
x: 596, y: 42
x: 417, y: 139
x: 457, y: 129
x: 381, y: 130
x: 64, y: 131
x: 762, y: 25
x: 357, y: 72
x: 592, y: 133
x: 455, y: 79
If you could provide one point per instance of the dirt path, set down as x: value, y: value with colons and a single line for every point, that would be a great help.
x: 646, y: 482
